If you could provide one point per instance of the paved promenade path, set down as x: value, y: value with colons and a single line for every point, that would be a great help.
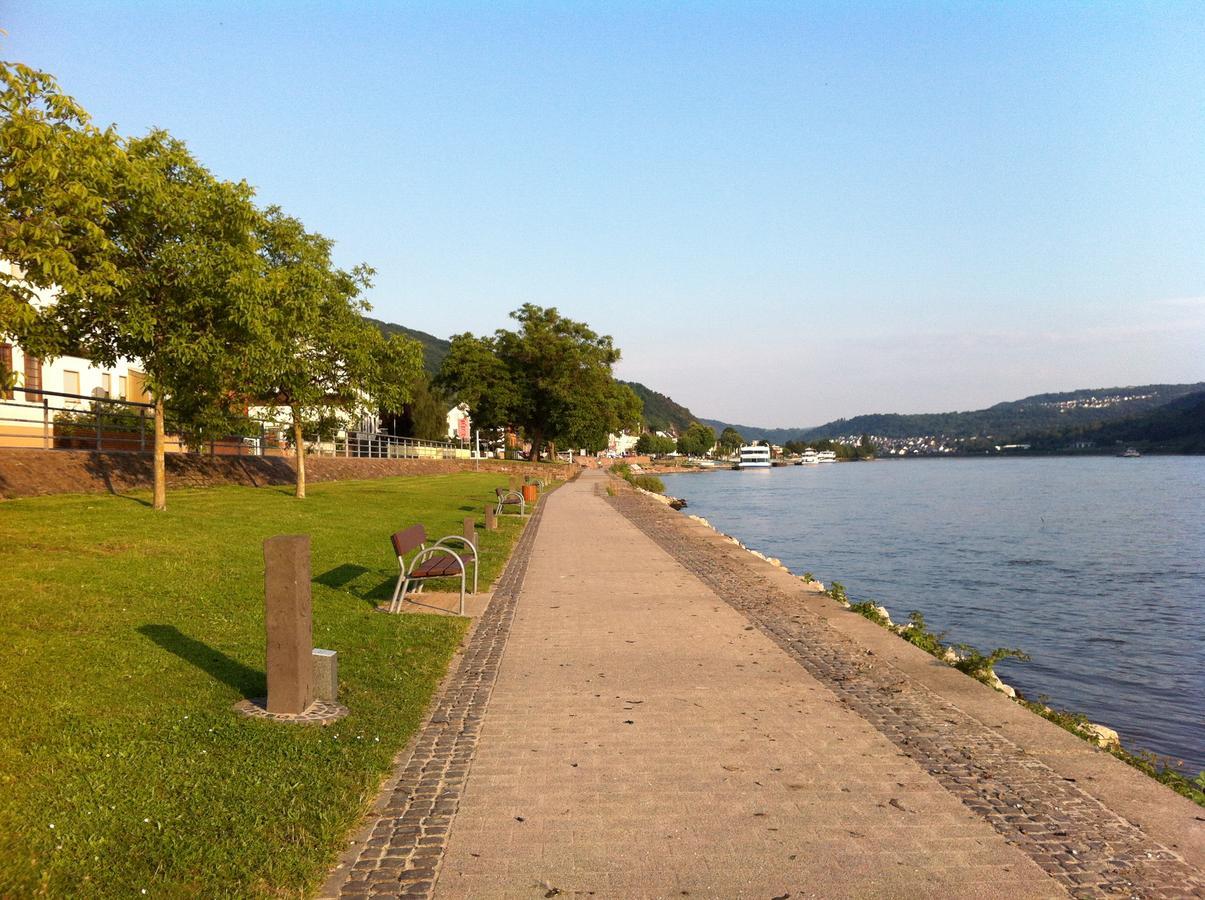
x: 647, y: 711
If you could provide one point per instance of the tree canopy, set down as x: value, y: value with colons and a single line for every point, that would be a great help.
x: 550, y: 377
x: 655, y: 445
x: 57, y: 170
x: 697, y: 440
x: 318, y: 354
x: 730, y: 441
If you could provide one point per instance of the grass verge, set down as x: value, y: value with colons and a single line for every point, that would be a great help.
x: 130, y: 634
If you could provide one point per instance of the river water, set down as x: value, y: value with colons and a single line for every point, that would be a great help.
x: 1093, y: 566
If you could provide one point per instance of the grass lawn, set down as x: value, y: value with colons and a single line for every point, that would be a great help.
x: 127, y: 637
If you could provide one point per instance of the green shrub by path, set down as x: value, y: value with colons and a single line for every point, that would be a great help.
x: 645, y: 482
x: 130, y: 634
x: 649, y: 483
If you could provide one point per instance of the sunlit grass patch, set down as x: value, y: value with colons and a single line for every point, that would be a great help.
x: 128, y: 635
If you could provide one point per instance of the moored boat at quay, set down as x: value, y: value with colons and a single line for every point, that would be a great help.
x: 754, y: 456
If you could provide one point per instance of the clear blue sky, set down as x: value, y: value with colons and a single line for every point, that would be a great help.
x: 783, y: 213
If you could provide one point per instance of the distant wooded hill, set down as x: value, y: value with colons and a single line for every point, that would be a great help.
x: 434, y: 349
x: 660, y: 412
x: 1040, y: 413
x: 1175, y: 427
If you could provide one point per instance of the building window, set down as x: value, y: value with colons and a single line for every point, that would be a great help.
x: 121, y: 387
x: 6, y: 368
x: 70, y: 382
x: 33, y: 379
x: 106, y: 383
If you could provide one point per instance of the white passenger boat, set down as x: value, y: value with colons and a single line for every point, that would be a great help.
x: 754, y: 456
x: 826, y: 456
x: 808, y: 458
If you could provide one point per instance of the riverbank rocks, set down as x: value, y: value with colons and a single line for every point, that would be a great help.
x: 1003, y: 688
x: 660, y: 498
x: 1103, y: 736
x: 882, y: 611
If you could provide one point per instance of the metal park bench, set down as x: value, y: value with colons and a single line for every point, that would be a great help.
x: 437, y: 561
x: 510, y: 498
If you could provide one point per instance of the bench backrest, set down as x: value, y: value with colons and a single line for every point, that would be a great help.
x: 409, y: 539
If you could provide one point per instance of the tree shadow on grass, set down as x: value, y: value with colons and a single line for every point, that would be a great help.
x: 247, y: 681
x: 340, y: 576
x: 374, y: 595
x: 359, y: 582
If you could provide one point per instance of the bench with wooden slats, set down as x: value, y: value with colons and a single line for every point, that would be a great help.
x: 510, y: 498
x: 436, y: 561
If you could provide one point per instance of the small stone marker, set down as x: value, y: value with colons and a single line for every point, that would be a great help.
x: 288, y: 619
x: 491, y: 524
x: 470, y: 530
x: 326, y: 674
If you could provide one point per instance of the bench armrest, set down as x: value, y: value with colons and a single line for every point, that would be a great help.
x: 462, y: 539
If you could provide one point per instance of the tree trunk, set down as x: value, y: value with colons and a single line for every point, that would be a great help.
x: 159, y: 499
x: 299, y: 446
x: 537, y: 441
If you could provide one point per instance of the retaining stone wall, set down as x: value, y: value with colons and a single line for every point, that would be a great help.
x: 31, y: 473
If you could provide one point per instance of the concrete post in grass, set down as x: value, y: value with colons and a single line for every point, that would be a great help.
x: 470, y: 530
x: 288, y: 615
x: 491, y: 524
x: 326, y: 675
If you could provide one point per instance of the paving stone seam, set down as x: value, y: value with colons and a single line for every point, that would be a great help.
x: 1086, y: 847
x: 404, y: 852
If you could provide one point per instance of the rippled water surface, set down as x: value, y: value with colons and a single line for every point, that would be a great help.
x: 1095, y: 567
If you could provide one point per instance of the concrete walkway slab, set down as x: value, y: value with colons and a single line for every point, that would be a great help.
x: 643, y: 740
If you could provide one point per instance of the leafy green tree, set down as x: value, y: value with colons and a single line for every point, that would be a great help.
x: 191, y: 307
x: 425, y: 416
x: 655, y: 445
x: 475, y: 373
x: 551, y: 377
x: 697, y: 440
x: 730, y: 441
x: 317, y: 356
x: 589, y: 428
x: 56, y: 170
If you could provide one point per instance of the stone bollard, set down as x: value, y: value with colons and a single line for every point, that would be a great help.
x: 491, y: 524
x: 470, y: 530
x: 326, y: 675
x: 288, y: 620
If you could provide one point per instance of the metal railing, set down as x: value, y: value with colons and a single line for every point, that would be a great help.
x: 52, y: 420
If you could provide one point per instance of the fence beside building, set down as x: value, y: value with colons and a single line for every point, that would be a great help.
x: 33, y: 418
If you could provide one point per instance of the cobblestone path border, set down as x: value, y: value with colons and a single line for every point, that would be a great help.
x: 1090, y: 850
x: 403, y: 855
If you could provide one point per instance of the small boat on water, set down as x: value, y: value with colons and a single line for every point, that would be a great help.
x: 826, y: 456
x: 808, y: 458
x: 754, y: 456
x: 1130, y: 453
